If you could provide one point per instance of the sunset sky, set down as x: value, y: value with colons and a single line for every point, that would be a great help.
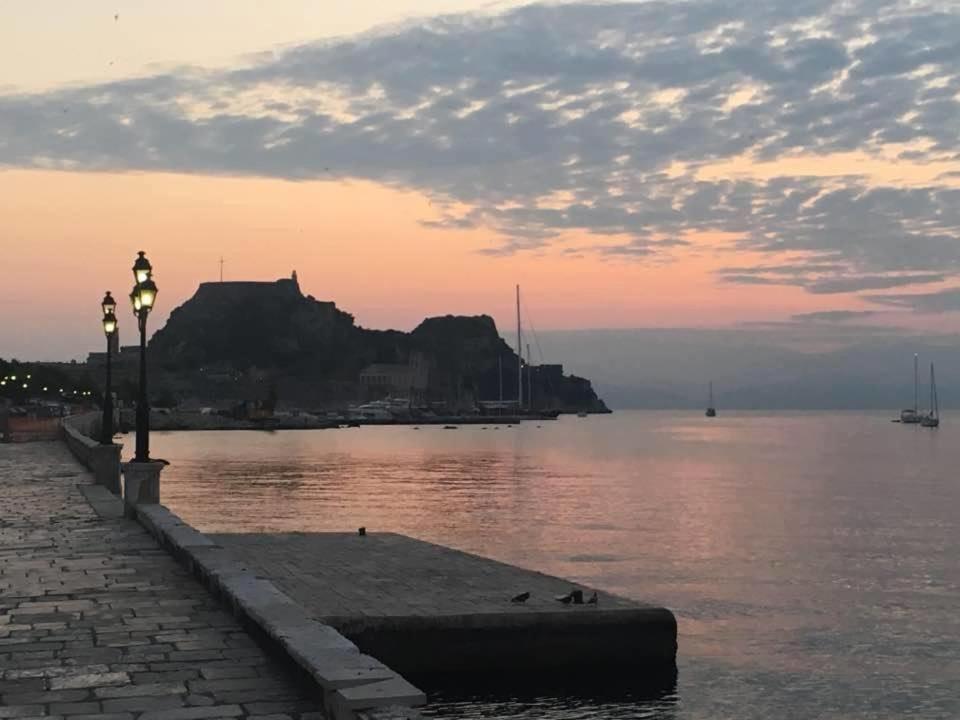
x: 654, y: 164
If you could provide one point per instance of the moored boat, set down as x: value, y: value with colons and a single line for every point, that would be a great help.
x: 711, y: 408
x: 912, y: 416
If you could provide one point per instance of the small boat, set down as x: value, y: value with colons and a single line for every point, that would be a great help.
x: 581, y: 414
x: 932, y: 419
x: 911, y: 416
x: 711, y: 408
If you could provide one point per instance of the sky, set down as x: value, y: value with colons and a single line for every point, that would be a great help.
x: 712, y: 164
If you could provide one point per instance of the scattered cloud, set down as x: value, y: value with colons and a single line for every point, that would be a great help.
x: 833, y: 316
x: 935, y: 302
x: 595, y: 119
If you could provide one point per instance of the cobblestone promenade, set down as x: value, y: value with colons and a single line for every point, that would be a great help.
x: 96, y: 621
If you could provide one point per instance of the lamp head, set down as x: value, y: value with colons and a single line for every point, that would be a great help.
x: 108, y: 304
x: 142, y: 270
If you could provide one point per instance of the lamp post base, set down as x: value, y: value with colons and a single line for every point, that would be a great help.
x: 141, y: 485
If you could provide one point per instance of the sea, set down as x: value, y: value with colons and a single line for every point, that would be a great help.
x: 812, y: 559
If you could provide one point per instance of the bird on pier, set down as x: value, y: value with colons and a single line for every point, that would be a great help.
x: 574, y: 596
x: 521, y: 598
x: 593, y: 599
x: 361, y: 531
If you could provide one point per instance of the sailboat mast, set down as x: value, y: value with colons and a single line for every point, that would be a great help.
x: 529, y: 379
x: 916, y: 383
x: 519, y: 356
x: 934, y: 409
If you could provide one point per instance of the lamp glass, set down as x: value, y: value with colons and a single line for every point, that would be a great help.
x: 147, y: 293
x: 109, y: 323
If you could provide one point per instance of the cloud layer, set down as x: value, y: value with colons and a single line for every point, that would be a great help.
x: 548, y: 122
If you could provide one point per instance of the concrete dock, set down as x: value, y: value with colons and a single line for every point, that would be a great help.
x: 425, y: 609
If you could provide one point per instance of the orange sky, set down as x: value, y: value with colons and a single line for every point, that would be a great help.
x: 358, y: 244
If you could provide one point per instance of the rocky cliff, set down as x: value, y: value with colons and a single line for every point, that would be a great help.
x: 233, y: 339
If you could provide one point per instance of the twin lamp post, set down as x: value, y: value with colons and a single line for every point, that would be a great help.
x: 142, y: 298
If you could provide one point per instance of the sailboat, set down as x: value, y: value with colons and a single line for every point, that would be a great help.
x: 911, y: 416
x: 932, y: 419
x: 711, y: 409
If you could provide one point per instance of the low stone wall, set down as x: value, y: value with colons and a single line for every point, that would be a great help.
x: 102, y: 460
x: 355, y: 686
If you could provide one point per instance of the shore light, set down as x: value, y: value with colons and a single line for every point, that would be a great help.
x: 109, y: 321
x: 142, y: 297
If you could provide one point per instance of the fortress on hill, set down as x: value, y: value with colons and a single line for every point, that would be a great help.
x: 239, y: 340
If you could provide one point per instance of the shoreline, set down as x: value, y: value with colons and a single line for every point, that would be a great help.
x: 161, y: 422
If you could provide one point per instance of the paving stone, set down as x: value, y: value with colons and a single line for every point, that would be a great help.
x: 20, y: 711
x: 88, y: 681
x: 144, y: 703
x: 42, y: 698
x: 223, y: 673
x: 194, y: 713
x: 140, y: 690
x: 75, y: 708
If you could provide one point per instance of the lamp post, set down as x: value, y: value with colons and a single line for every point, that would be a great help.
x: 108, y: 305
x: 142, y: 298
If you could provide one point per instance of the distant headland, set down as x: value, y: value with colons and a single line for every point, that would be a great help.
x: 260, y: 346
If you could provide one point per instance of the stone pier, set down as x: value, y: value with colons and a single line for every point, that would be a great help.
x: 426, y: 609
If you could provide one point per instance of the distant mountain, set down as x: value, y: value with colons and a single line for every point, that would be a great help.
x: 794, y: 366
x: 233, y: 339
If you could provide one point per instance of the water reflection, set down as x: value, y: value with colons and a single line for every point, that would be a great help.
x: 811, y: 559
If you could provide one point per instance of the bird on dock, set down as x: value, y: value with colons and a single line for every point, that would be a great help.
x: 361, y: 531
x: 574, y: 596
x: 521, y: 598
x: 593, y: 599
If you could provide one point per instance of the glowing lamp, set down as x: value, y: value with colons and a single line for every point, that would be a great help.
x: 148, y: 293
x: 142, y: 270
x: 109, y: 324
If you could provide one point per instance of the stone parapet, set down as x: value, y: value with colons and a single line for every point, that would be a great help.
x: 102, y: 460
x: 355, y: 686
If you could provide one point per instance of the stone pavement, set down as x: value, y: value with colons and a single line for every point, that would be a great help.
x: 96, y: 621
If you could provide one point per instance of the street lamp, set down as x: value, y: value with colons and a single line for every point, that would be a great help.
x: 108, y: 305
x: 142, y: 298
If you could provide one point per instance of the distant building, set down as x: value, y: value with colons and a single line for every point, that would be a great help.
x: 407, y: 379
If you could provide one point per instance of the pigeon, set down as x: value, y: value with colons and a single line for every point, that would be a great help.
x: 361, y: 531
x: 521, y: 598
x: 593, y: 599
x: 574, y: 596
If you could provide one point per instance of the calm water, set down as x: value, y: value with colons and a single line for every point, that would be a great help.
x: 812, y: 559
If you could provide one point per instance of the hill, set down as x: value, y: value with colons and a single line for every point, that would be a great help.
x: 237, y: 340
